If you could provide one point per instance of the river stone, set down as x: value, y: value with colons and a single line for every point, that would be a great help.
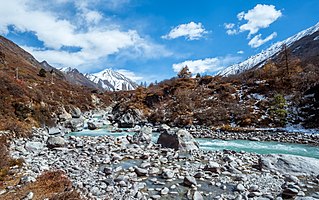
x: 289, y: 193
x: 290, y: 164
x: 75, y: 125
x: 53, y: 130
x: 180, y: 140
x: 240, y: 187
x: 55, y: 142
x: 197, y: 196
x: 213, y: 167
x: 144, y: 136
x: 168, y: 174
x: 164, y: 191
x: 189, y: 181
x: 141, y: 171
x: 34, y: 146
x: 94, y: 125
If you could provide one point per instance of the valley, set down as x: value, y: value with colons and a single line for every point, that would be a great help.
x: 249, y: 131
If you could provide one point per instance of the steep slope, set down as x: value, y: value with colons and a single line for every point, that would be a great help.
x: 260, y: 59
x: 31, y: 98
x: 75, y: 77
x: 111, y: 80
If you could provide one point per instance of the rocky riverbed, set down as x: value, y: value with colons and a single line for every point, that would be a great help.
x: 115, y: 168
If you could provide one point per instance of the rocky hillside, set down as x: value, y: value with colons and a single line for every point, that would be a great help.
x: 284, y: 92
x: 34, y: 95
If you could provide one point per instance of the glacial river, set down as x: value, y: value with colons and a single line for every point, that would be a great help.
x: 236, y: 145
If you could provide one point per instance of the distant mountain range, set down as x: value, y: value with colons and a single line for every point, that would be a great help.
x: 304, y: 45
x: 106, y: 80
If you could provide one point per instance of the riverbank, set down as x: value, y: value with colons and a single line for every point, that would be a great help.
x: 112, y: 168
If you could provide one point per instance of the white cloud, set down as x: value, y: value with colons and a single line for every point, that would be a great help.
x: 209, y: 65
x: 191, y: 31
x: 95, y: 42
x: 240, y: 52
x: 131, y: 75
x: 230, y: 29
x: 257, y: 41
x: 229, y: 25
x: 261, y: 16
x: 231, y: 32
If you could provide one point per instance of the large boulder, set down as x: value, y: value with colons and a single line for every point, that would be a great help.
x: 75, y: 124
x: 55, y: 142
x: 127, y: 118
x: 34, y: 146
x: 144, y: 136
x: 95, y: 125
x: 75, y: 112
x: 290, y: 164
x: 180, y: 140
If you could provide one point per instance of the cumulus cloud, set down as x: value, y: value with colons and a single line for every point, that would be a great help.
x: 207, y: 65
x: 230, y: 27
x: 257, y: 41
x: 56, y: 32
x: 131, y: 75
x: 191, y: 31
x: 240, y: 52
x: 261, y: 16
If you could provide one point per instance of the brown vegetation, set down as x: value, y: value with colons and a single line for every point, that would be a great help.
x: 53, y: 185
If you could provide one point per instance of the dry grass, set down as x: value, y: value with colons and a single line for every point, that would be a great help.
x: 53, y: 185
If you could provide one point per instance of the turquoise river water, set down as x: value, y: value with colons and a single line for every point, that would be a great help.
x: 236, y: 145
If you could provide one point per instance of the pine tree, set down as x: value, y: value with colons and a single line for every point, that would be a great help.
x: 184, y: 73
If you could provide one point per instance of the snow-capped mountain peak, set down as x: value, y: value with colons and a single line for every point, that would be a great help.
x: 112, y: 80
x: 260, y: 59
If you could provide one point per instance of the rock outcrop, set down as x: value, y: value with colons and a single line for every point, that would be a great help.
x: 290, y: 164
x: 180, y: 140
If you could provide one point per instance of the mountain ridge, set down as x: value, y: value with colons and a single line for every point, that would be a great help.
x: 111, y: 80
x: 261, y: 58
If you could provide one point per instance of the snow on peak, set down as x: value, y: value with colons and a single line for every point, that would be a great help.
x: 260, y: 59
x: 112, y: 80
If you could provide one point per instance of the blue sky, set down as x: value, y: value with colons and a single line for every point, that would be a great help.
x: 150, y: 40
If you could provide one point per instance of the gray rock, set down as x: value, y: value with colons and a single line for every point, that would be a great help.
x: 289, y: 193
x: 76, y: 112
x: 144, y: 136
x: 240, y: 187
x: 181, y: 140
x: 197, y: 196
x: 253, y: 188
x: 156, y: 196
x: 189, y: 181
x: 168, y: 174
x: 290, y: 164
x: 29, y: 196
x: 55, y: 142
x: 140, y: 171
x: 27, y: 179
x: 127, y: 118
x: 213, y: 167
x: 54, y: 131
x: 164, y: 191
x: 164, y: 127
x: 94, y: 125
x: 34, y: 146
x: 75, y: 124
